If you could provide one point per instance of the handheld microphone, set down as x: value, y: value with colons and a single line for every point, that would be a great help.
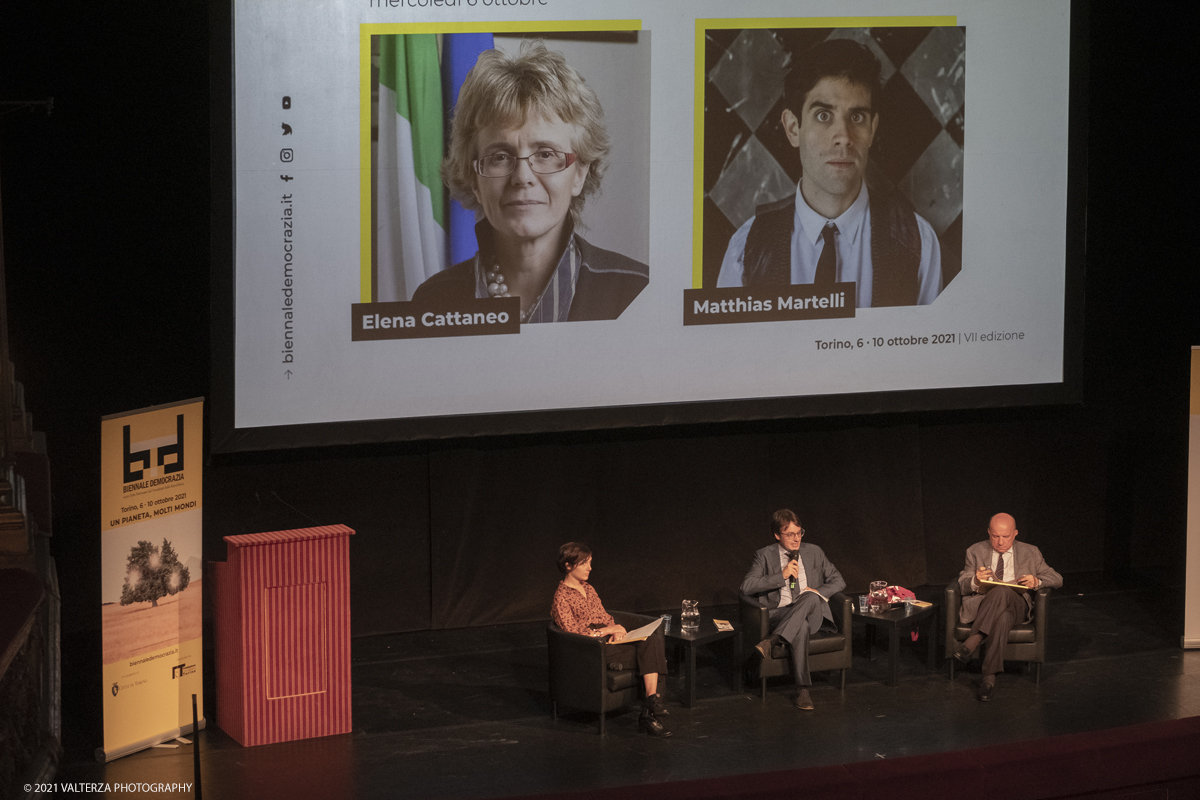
x: 793, y: 555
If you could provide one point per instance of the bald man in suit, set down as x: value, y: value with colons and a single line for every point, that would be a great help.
x: 993, y: 610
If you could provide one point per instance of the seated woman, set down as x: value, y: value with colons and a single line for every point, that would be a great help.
x: 577, y: 609
x: 527, y: 147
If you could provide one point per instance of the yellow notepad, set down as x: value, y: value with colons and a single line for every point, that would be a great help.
x: 1018, y: 587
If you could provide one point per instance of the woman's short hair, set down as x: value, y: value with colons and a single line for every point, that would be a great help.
x: 571, y: 555
x: 504, y: 90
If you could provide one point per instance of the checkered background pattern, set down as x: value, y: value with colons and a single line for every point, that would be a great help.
x: 918, y: 147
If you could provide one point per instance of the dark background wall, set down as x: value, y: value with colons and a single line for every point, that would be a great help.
x: 106, y: 226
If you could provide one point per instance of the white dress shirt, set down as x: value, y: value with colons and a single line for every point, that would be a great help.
x: 785, y: 594
x: 1010, y: 574
x: 853, y: 250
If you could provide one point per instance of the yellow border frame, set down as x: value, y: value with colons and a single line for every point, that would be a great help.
x: 703, y: 25
x: 365, y: 32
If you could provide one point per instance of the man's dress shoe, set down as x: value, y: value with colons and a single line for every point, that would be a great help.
x: 764, y: 647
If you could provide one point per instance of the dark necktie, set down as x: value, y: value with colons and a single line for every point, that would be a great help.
x: 1000, y: 566
x: 827, y: 263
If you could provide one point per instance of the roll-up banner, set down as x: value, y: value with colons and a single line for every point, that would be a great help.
x: 1191, y: 609
x: 150, y: 542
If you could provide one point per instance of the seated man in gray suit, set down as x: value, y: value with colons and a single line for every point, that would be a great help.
x: 993, y: 610
x: 796, y: 581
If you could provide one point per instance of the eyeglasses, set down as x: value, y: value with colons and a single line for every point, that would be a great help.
x: 543, y: 162
x: 800, y: 532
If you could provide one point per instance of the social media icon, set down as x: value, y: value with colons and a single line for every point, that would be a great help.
x: 287, y: 102
x: 285, y: 178
x: 285, y: 155
x: 287, y: 129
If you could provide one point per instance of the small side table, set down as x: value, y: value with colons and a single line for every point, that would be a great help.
x: 904, y: 617
x: 707, y: 633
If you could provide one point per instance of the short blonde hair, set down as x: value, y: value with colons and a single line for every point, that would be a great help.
x: 503, y: 90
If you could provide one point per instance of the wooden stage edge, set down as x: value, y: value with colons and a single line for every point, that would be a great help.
x: 1148, y: 761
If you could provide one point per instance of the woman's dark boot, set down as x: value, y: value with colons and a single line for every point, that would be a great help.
x: 651, y: 725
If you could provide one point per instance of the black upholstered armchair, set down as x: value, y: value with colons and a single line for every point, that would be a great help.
x: 826, y: 650
x: 1025, y: 642
x: 580, y: 677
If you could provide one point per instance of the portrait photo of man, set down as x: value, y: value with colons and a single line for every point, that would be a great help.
x: 835, y: 156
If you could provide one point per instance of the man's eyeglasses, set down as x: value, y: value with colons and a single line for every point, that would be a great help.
x: 543, y: 162
x: 800, y: 532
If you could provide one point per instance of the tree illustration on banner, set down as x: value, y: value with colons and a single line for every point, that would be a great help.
x: 152, y: 573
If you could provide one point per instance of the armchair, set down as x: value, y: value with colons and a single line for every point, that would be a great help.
x: 579, y: 675
x: 1026, y: 642
x: 826, y: 650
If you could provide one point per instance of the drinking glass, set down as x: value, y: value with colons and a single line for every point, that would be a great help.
x: 689, y: 618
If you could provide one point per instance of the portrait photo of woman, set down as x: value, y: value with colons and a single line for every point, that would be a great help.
x: 528, y: 147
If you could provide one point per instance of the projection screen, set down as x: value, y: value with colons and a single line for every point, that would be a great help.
x: 667, y: 244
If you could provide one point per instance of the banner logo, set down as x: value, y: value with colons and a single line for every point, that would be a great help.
x: 180, y: 670
x: 164, y: 451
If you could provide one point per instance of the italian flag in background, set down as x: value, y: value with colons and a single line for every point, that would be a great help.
x: 410, y: 233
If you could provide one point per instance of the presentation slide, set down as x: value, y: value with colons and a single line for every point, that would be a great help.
x: 448, y: 208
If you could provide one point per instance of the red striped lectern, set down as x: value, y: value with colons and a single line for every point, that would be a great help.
x: 282, y: 618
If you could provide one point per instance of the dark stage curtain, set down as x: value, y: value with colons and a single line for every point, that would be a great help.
x: 1050, y: 475
x: 385, y: 501
x: 858, y: 494
x: 667, y: 519
x: 465, y: 536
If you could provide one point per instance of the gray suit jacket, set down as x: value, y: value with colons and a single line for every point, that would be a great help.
x: 765, y: 578
x: 1027, y: 560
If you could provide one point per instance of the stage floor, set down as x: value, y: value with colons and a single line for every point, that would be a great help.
x: 465, y: 713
